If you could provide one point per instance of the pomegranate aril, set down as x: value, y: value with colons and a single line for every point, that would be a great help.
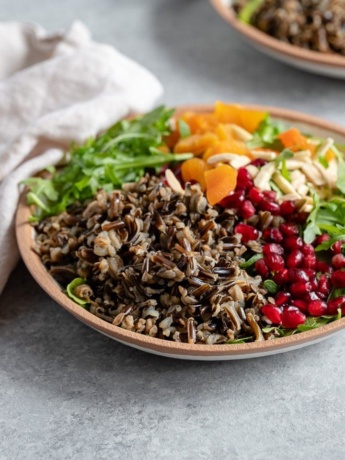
x: 320, y: 239
x: 234, y: 200
x: 273, y: 313
x: 309, y: 261
x: 247, y: 210
x: 272, y: 234
x: 274, y: 262
x: 301, y: 217
x: 292, y: 242
x: 338, y: 261
x: 247, y: 231
x: 282, y: 298
x: 287, y: 208
x: 324, y: 285
x: 334, y: 304
x: 317, y: 308
x: 323, y: 267
x: 282, y: 277
x: 310, y: 296
x: 295, y: 259
x: 338, y: 279
x: 258, y: 162
x: 261, y: 268
x: 300, y: 304
x: 313, y: 282
x: 310, y: 272
x: 300, y: 288
x: 296, y: 275
x: 289, y: 229
x: 271, y: 195
x: 270, y: 206
x: 308, y: 250
x: 244, y: 179
x: 255, y: 195
x: 292, y: 317
x: 273, y: 248
x: 337, y: 247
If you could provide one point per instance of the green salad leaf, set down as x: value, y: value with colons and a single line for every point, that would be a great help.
x: 248, y: 10
x: 251, y: 261
x: 121, y: 154
x: 266, y: 135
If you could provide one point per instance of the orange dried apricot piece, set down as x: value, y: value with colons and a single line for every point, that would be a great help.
x: 196, y: 143
x: 193, y: 170
x: 220, y: 182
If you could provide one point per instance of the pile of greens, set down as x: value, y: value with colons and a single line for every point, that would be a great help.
x: 121, y: 154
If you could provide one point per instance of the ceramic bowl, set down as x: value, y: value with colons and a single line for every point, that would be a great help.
x: 331, y: 65
x: 25, y: 238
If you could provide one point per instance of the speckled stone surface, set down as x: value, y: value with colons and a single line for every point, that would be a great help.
x: 67, y: 392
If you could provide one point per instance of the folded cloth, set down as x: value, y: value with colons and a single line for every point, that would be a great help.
x: 54, y: 89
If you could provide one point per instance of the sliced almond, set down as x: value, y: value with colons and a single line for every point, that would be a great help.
x: 303, y: 189
x: 303, y: 155
x: 253, y: 170
x: 263, y: 154
x: 324, y: 172
x: 313, y: 175
x: 223, y: 158
x: 294, y: 164
x: 240, y: 162
x: 173, y: 182
x: 241, y: 133
x: 284, y: 184
x: 263, y: 178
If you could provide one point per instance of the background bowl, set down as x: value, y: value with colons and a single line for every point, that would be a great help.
x: 25, y: 239
x: 331, y: 65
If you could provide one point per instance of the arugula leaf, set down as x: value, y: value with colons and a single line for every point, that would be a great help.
x: 312, y: 230
x: 251, y: 261
x: 266, y: 134
x: 314, y: 322
x: 119, y: 155
x: 341, y: 176
x: 70, y: 291
x: 184, y: 129
x: 271, y: 286
x: 248, y: 10
x: 243, y: 340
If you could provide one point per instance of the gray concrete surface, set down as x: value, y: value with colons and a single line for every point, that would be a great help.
x: 66, y: 392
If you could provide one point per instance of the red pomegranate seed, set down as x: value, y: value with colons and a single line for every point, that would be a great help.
x: 274, y: 262
x: 247, y: 210
x: 300, y: 304
x: 234, y: 200
x: 273, y: 313
x: 310, y: 272
x: 323, y: 267
x: 292, y: 317
x: 337, y: 247
x: 281, y: 277
x: 309, y: 261
x: 324, y: 285
x: 255, y: 195
x: 317, y: 308
x: 273, y: 234
x: 296, y: 275
x: 334, y: 304
x: 308, y: 250
x: 244, y: 179
x: 289, y: 230
x: 271, y: 195
x: 261, y: 268
x: 320, y: 239
x: 287, y: 208
x: 282, y: 298
x: 292, y: 242
x: 295, y: 259
x: 301, y: 217
x: 258, y: 162
x: 247, y: 231
x: 338, y: 279
x: 300, y: 288
x: 273, y: 248
x: 338, y: 261
x: 270, y: 206
x: 314, y: 283
x: 310, y: 296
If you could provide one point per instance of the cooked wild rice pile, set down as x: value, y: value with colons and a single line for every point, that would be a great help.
x: 158, y: 262
x: 318, y: 25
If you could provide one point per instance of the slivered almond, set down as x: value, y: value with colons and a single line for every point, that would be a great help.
x: 323, y: 171
x: 313, y: 174
x: 261, y: 181
x: 303, y: 155
x: 303, y: 189
x: 297, y: 178
x: 291, y: 197
x: 223, y: 157
x: 284, y: 184
x: 241, y: 133
x: 294, y: 164
x: 253, y: 170
x: 173, y: 182
x: 263, y: 154
x: 240, y: 162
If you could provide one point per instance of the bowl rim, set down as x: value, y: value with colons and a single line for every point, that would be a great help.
x: 24, y: 234
x: 267, y: 41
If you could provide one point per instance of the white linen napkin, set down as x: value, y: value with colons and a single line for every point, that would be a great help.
x: 54, y: 89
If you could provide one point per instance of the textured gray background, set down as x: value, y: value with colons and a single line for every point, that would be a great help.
x: 68, y: 392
